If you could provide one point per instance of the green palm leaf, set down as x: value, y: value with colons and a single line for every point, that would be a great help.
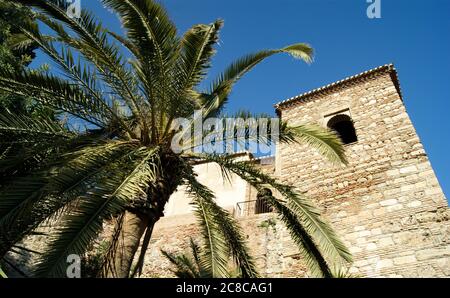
x: 184, y: 264
x: 314, y: 259
x: 28, y: 201
x: 217, y: 96
x: 78, y: 229
x: 215, y: 255
x: 54, y: 92
x: 326, y: 142
x: 34, y: 129
x: 305, y: 213
x: 82, y: 224
x: 93, y: 44
x: 221, y: 230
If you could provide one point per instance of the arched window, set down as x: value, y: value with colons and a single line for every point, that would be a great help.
x: 343, y: 125
x: 261, y: 205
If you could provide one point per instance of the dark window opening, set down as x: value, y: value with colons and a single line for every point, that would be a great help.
x: 261, y: 205
x: 343, y: 125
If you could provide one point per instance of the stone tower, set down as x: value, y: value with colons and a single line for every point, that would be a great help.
x: 387, y: 203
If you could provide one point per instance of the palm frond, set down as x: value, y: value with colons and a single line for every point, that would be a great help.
x: 307, y: 215
x: 221, y: 88
x: 189, y: 265
x: 326, y: 142
x: 108, y: 198
x: 22, y: 42
x: 185, y: 267
x: 197, y: 49
x: 93, y: 44
x: 34, y: 129
x: 78, y: 229
x: 215, y: 253
x: 219, y: 225
x: 80, y: 73
x: 196, y: 252
x: 154, y: 37
x: 55, y: 92
x: 25, y: 141
x: 148, y: 27
x: 239, y: 131
x: 343, y: 273
x: 29, y: 200
x: 314, y: 259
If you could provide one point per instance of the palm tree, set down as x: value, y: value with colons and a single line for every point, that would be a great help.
x: 112, y: 157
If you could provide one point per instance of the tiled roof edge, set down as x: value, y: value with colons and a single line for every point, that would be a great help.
x: 388, y: 68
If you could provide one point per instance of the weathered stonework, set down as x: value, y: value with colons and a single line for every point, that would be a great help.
x: 386, y: 204
x: 275, y: 254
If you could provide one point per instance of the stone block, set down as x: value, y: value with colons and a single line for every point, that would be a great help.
x: 405, y: 260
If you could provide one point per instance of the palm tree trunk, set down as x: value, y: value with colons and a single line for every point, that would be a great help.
x: 144, y: 247
x: 134, y: 224
x: 129, y: 237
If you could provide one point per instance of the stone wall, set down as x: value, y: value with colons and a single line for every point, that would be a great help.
x: 275, y: 254
x: 387, y: 203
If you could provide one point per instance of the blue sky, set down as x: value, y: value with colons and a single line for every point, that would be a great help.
x: 412, y: 34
